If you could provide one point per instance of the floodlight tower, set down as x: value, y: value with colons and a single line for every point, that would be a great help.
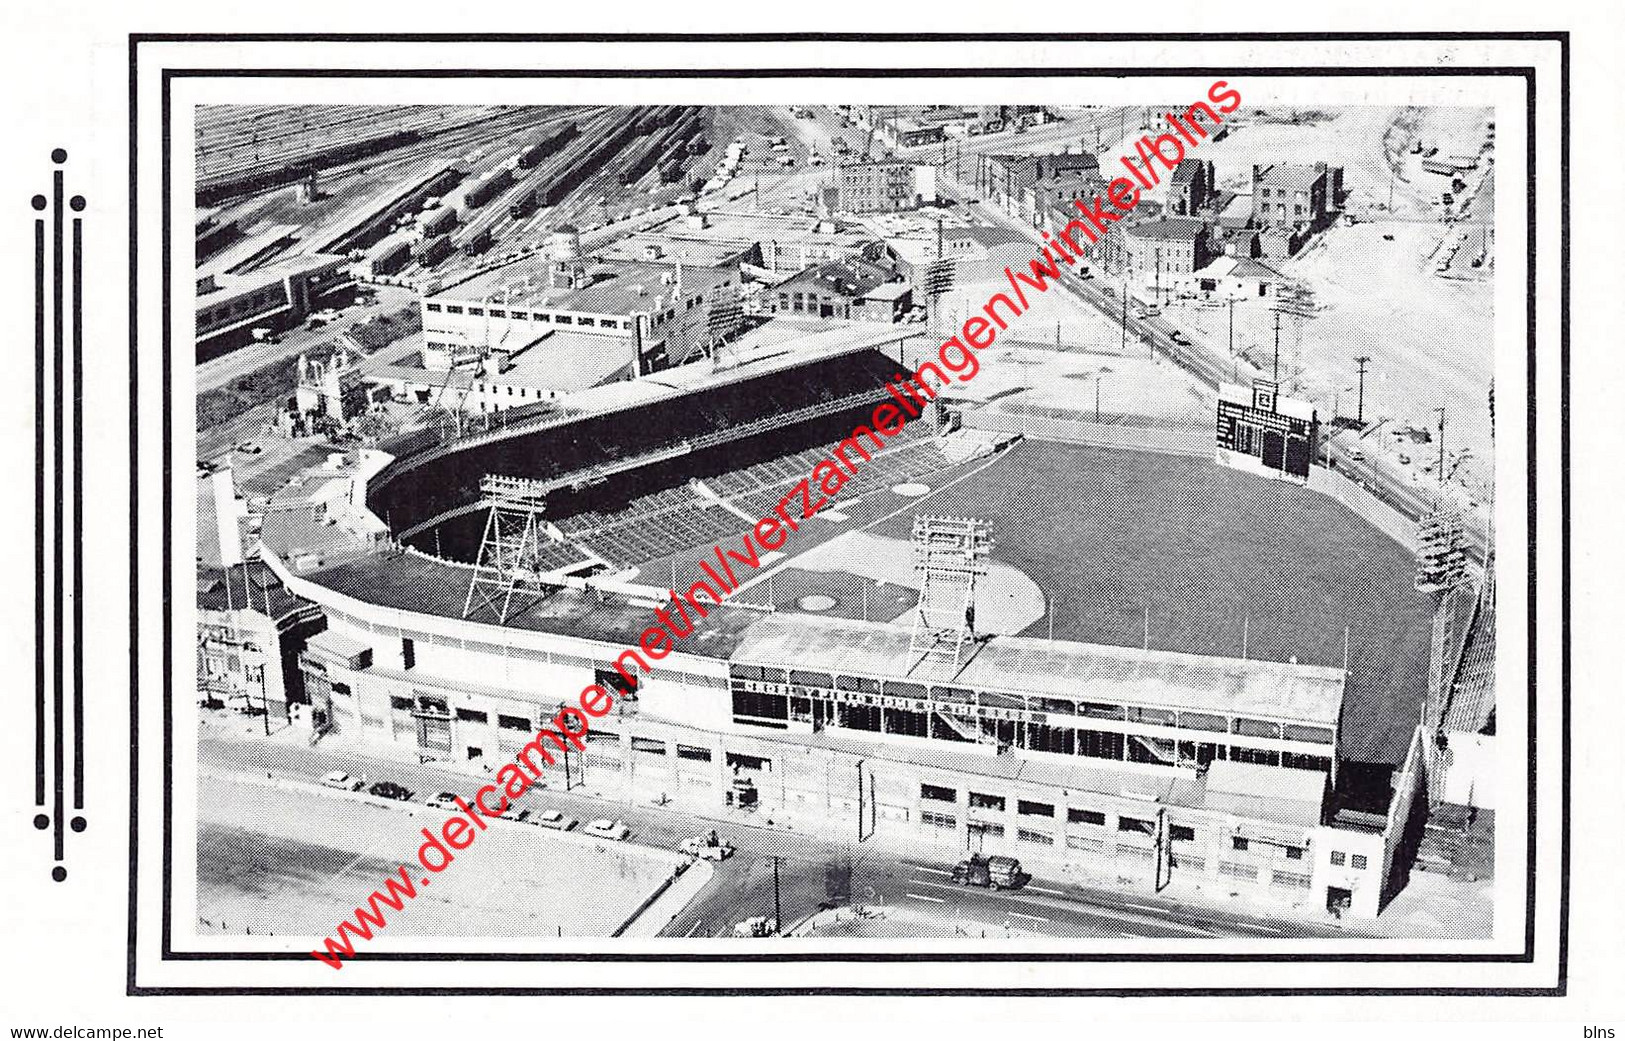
x: 511, y: 545
x: 1441, y: 569
x: 950, y: 553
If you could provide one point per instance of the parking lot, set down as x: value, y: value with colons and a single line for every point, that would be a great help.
x: 281, y: 861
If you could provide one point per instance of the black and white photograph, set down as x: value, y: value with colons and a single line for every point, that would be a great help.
x: 1173, y: 615
x: 830, y: 514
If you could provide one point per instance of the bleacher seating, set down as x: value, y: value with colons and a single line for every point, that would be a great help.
x: 676, y: 519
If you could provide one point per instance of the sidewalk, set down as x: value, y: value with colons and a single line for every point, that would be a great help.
x: 668, y: 902
x: 893, y: 922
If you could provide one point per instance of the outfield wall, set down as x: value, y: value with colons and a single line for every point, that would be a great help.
x: 1192, y: 441
x: 1364, y: 505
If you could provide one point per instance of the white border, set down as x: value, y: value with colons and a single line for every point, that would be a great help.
x: 1218, y: 55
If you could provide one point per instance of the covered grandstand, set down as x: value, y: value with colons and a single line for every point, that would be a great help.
x: 722, y: 431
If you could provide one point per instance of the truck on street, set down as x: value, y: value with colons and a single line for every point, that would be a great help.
x: 992, y: 872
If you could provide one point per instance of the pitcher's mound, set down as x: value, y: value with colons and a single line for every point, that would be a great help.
x: 816, y: 602
x: 911, y: 489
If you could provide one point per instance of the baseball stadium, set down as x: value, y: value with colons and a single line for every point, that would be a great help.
x: 1093, y: 647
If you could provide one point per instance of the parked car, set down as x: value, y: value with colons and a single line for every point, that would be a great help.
x: 615, y: 831
x: 761, y: 925
x: 708, y: 847
x: 517, y: 814
x: 444, y: 801
x: 1178, y: 337
x: 391, y: 790
x: 554, y: 819
x: 992, y: 872
x: 342, y: 781
x: 250, y: 448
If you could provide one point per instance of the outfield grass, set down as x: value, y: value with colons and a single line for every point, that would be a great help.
x: 1110, y: 533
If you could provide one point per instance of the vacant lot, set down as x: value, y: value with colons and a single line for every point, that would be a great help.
x: 282, y: 862
x: 1109, y: 534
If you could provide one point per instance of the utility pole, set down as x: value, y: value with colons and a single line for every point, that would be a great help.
x: 1440, y: 411
x: 1275, y: 372
x: 1359, y: 414
x: 1097, y: 397
x: 778, y: 915
x: 1232, y: 303
x: 1124, y: 347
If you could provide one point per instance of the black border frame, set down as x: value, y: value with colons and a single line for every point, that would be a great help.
x: 1527, y: 73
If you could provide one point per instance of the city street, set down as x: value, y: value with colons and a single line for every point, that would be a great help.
x: 221, y: 370
x: 743, y: 885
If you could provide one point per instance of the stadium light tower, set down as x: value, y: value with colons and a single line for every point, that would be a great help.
x: 511, y: 546
x: 1441, y: 569
x: 950, y: 553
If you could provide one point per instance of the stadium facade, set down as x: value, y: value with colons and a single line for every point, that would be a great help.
x: 1149, y: 766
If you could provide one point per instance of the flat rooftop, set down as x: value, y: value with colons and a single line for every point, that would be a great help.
x: 1269, y: 792
x: 782, y: 343
x: 1116, y: 675
x: 607, y: 287
x: 556, y: 360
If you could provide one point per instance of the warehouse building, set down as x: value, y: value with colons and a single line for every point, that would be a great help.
x: 642, y: 316
x: 276, y: 295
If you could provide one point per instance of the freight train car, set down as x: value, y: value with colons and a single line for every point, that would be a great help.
x: 477, y: 243
x: 580, y: 164
x: 531, y: 157
x: 489, y: 186
x: 437, y: 221
x: 288, y: 173
x: 672, y: 141
x: 671, y: 170
x: 523, y: 206
x: 432, y: 251
x: 389, y: 255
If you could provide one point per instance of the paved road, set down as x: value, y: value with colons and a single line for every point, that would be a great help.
x: 219, y: 371
x: 743, y: 885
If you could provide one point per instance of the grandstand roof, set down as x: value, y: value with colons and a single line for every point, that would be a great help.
x: 1120, y: 675
x: 435, y: 587
x: 678, y: 404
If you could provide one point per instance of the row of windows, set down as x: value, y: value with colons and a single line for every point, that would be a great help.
x: 1356, y: 861
x: 531, y: 316
x: 1074, y: 815
x: 1064, y: 706
x: 1037, y: 737
x: 242, y: 305
x: 1237, y: 842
